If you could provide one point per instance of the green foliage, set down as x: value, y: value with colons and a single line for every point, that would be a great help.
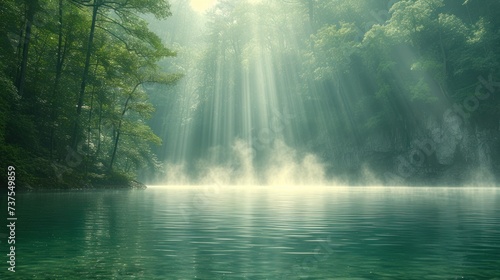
x: 421, y: 92
x: 36, y: 127
x: 411, y: 17
x: 415, y: 56
x: 333, y: 48
x: 7, y: 97
x: 114, y: 178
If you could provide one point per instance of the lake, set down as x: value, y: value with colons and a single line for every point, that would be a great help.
x: 258, y: 233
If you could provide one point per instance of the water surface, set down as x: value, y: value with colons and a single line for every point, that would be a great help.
x: 258, y: 233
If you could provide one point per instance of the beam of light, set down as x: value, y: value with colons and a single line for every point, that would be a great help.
x: 240, y: 134
x: 244, y: 128
x: 201, y: 6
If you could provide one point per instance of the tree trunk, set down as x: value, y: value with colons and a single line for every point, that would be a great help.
x: 21, y: 80
x: 99, y: 123
x: 118, y: 132
x: 115, y: 147
x: 75, y: 136
x: 59, y: 65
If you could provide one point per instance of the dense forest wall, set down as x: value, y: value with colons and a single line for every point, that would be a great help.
x: 393, y: 92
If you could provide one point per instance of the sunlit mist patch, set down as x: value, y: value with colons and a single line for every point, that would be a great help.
x: 201, y: 6
x: 282, y: 165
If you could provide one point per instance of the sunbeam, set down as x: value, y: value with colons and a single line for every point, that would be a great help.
x: 341, y: 87
x: 202, y: 5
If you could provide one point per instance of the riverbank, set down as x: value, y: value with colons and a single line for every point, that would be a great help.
x: 133, y: 185
x: 78, y: 181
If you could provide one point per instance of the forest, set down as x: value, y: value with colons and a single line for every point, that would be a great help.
x: 73, y: 107
x: 104, y: 92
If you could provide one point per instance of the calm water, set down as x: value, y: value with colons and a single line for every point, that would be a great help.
x: 212, y: 233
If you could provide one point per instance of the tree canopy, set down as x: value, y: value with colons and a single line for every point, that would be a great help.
x: 73, y: 104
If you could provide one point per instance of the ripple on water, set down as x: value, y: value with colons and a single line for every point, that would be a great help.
x: 325, y: 233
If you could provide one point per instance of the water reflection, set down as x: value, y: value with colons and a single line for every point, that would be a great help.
x: 260, y: 233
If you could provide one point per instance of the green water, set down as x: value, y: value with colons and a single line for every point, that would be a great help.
x: 235, y: 233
